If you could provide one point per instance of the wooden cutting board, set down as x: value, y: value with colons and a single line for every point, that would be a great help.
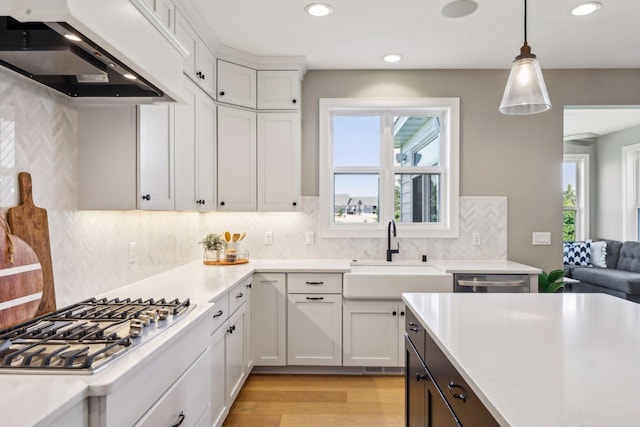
x: 21, y: 280
x: 30, y: 223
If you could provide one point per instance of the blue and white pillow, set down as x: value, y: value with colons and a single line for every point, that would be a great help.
x: 577, y: 253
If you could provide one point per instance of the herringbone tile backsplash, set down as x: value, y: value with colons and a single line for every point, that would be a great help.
x: 90, y: 250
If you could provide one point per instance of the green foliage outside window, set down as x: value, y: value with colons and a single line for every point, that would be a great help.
x: 569, y: 217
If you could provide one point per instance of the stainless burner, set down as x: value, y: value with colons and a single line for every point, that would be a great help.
x: 84, y: 337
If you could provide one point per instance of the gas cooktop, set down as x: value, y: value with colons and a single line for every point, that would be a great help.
x: 84, y: 337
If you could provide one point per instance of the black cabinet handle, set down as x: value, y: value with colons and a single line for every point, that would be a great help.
x: 146, y: 197
x: 460, y: 396
x: 413, y: 327
x: 221, y: 203
x: 315, y: 298
x: 295, y: 204
x: 218, y: 314
x: 420, y: 376
x: 231, y: 329
x: 294, y: 101
x: 240, y: 295
x: 221, y: 93
x: 181, y: 418
x: 393, y: 313
x: 314, y: 283
x: 249, y: 285
x: 199, y: 74
x: 402, y: 313
x: 203, y: 77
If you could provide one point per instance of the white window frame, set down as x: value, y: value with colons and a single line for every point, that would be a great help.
x: 448, y: 109
x: 582, y: 194
x: 631, y: 191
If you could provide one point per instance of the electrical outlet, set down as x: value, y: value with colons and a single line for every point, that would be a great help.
x: 541, y: 238
x: 268, y: 238
x: 133, y: 253
x: 476, y: 239
x: 310, y: 238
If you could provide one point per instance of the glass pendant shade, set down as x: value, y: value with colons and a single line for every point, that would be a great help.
x: 526, y: 92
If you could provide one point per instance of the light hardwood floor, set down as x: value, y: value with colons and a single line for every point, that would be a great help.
x: 319, y: 401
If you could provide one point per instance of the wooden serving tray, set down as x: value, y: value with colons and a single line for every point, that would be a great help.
x: 238, y: 261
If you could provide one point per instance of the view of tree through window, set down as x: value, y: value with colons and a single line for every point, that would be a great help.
x: 569, y: 200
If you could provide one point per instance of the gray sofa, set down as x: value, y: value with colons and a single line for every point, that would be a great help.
x: 621, y: 278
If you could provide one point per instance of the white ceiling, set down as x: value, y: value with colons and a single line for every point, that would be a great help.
x: 359, y: 32
x: 599, y: 120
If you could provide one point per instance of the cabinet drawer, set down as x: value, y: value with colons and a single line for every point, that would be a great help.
x: 187, y: 399
x: 415, y: 332
x: 238, y: 295
x: 220, y: 311
x: 463, y: 401
x: 314, y: 283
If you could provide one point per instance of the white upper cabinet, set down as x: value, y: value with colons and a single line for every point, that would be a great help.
x: 278, y: 90
x: 236, y: 84
x: 155, y: 154
x: 164, y: 9
x: 200, y: 64
x: 279, y: 161
x: 195, y: 150
x: 236, y: 159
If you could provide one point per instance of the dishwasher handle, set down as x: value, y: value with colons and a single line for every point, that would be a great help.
x: 487, y: 283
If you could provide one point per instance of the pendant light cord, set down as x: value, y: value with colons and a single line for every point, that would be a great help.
x: 525, y: 21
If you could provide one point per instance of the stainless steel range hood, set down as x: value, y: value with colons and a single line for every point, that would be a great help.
x: 92, y: 49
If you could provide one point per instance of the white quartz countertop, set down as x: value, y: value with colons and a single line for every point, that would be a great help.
x: 485, y: 267
x: 201, y: 284
x: 541, y: 359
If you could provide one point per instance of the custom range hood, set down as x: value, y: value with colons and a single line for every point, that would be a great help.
x: 92, y: 49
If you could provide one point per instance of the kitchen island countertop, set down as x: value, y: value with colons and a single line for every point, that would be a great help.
x: 541, y: 359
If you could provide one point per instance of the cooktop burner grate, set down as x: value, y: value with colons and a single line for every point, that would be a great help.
x: 86, y: 335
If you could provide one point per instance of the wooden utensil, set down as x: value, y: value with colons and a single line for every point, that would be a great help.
x: 227, y: 236
x: 30, y: 223
x: 21, y: 280
x: 235, y: 237
x: 242, y: 236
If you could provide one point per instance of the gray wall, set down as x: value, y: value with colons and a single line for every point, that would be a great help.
x: 609, y: 187
x: 517, y: 157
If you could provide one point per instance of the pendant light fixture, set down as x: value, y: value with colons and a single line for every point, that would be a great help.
x: 525, y: 92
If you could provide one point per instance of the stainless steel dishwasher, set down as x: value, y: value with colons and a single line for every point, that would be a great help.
x: 491, y: 283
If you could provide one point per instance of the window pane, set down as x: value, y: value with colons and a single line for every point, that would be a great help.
x: 569, y: 225
x: 569, y: 177
x: 356, y: 140
x: 356, y: 198
x: 416, y: 141
x: 417, y: 197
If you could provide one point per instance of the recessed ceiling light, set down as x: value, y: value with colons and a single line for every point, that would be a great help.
x: 129, y: 76
x: 585, y: 8
x: 318, y: 9
x: 459, y: 8
x: 392, y: 57
x: 73, y: 37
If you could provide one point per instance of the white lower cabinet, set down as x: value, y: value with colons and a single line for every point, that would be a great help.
x: 219, y: 407
x: 186, y: 401
x: 373, y: 333
x: 235, y: 371
x: 77, y: 416
x: 314, y: 329
x: 269, y: 319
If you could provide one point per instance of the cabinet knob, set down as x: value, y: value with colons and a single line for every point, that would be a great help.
x: 199, y: 74
x: 249, y: 285
x: 295, y: 204
x: 393, y: 313
x: 420, y: 376
x: 221, y: 203
x: 402, y: 313
x: 294, y: 101
x: 146, y: 197
x: 204, y: 77
x: 222, y: 93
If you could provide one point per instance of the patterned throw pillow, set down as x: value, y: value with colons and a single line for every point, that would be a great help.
x: 577, y: 253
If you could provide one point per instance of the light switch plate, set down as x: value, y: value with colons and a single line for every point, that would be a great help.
x: 541, y: 238
x: 476, y: 239
x: 310, y: 238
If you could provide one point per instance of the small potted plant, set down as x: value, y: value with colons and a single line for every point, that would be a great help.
x: 552, y: 282
x: 213, y: 244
